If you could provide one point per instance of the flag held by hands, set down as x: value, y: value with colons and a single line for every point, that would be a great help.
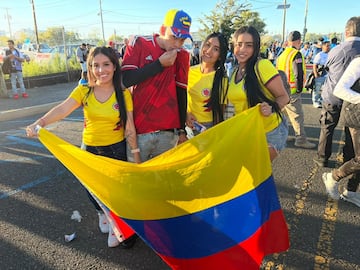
x: 209, y: 203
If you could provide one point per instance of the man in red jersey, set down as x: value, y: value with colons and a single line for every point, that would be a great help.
x: 157, y: 69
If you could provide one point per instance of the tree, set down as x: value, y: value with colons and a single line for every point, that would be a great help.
x: 229, y: 15
x: 54, y: 36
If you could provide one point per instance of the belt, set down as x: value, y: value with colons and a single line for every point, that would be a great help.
x: 173, y: 130
x: 167, y: 130
x: 170, y: 130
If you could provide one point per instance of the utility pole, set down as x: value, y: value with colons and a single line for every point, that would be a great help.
x: 284, y: 20
x: 65, y: 52
x: 8, y: 20
x: 306, y: 12
x: 284, y: 7
x: 102, y: 22
x: 35, y: 26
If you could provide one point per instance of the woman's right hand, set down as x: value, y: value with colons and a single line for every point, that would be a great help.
x: 31, y: 130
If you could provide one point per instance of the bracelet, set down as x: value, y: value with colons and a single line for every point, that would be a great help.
x: 136, y: 150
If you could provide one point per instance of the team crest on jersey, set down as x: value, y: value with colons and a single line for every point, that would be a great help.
x: 205, y: 92
x: 116, y: 106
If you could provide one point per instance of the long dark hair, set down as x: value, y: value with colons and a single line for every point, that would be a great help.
x: 217, y: 91
x: 110, y: 53
x: 253, y: 89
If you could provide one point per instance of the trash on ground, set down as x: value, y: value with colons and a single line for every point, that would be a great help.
x: 70, y: 237
x: 76, y: 216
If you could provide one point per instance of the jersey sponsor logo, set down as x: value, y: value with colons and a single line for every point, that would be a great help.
x: 149, y: 58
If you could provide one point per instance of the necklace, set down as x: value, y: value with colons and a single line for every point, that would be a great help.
x: 240, y: 74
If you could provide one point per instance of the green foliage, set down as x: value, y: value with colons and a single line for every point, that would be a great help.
x: 55, y: 64
x: 55, y: 36
x: 228, y: 16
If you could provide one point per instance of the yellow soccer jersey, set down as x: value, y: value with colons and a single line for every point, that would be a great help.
x: 237, y: 95
x: 100, y: 119
x: 199, y: 92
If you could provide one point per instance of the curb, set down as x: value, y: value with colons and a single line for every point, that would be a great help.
x: 26, y: 111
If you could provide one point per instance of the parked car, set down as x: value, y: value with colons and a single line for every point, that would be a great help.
x: 70, y: 49
x: 32, y: 47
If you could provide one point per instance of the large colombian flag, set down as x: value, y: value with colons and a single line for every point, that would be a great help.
x: 210, y: 203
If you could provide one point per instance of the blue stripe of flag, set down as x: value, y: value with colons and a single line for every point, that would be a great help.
x: 212, y: 230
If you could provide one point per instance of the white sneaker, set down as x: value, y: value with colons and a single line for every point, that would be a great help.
x: 350, y: 196
x: 112, y: 239
x: 103, y: 223
x: 305, y: 144
x: 331, y: 186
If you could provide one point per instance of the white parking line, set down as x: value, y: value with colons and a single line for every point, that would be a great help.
x: 4, y: 195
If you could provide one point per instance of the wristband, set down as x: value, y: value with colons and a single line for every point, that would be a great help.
x: 136, y: 150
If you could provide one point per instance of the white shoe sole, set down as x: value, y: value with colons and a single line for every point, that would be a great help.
x: 332, y: 196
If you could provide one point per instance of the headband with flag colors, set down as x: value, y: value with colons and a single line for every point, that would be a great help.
x: 179, y: 22
x: 209, y: 203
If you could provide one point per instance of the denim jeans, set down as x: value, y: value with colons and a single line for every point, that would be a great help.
x: 115, y: 151
x: 316, y: 93
x: 19, y: 77
x: 153, y: 144
x: 277, y: 137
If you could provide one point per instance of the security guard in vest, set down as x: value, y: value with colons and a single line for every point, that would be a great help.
x: 292, y: 62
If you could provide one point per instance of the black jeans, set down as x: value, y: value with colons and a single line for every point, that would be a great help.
x: 115, y: 151
x: 352, y: 166
x: 329, y: 119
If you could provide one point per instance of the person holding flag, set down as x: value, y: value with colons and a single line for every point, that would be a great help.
x: 108, y: 122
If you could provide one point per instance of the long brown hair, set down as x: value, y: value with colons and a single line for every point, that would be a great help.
x: 218, y: 87
x: 254, y: 92
x: 110, y: 53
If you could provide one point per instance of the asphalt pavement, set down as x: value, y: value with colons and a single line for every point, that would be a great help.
x: 38, y: 195
x: 40, y: 100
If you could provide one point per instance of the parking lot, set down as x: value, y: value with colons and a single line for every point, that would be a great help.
x: 38, y: 196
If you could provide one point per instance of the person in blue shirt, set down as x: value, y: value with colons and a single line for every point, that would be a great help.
x: 16, y: 76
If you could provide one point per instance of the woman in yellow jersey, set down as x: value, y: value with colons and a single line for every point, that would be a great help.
x: 207, y: 84
x: 108, y: 117
x: 256, y: 81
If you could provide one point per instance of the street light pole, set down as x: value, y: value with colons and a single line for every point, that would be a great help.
x: 284, y: 7
x: 306, y: 12
x: 284, y: 20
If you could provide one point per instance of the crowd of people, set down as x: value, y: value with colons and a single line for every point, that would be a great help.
x: 140, y: 102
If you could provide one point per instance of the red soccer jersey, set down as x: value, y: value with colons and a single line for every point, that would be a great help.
x: 155, y: 101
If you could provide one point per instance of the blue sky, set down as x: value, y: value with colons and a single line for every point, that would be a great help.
x: 144, y: 17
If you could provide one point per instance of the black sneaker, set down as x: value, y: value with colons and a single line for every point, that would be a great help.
x: 129, y: 243
x: 321, y: 162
